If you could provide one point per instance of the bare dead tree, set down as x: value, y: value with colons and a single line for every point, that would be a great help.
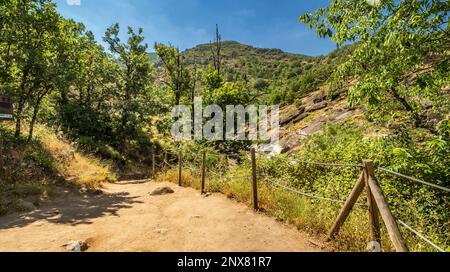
x: 194, y: 86
x: 216, y: 48
x: 178, y: 74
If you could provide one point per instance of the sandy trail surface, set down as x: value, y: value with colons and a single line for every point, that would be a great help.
x: 126, y: 218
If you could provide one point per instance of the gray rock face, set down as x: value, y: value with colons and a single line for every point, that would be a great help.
x: 162, y: 191
x: 319, y: 106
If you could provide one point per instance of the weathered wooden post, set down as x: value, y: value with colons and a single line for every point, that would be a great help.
x: 254, y: 180
x: 166, y: 162
x: 348, y: 206
x: 386, y: 214
x: 203, y: 171
x: 153, y: 165
x: 373, y: 210
x: 180, y: 168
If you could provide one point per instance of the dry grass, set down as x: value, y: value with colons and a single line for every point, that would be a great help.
x: 29, y: 170
x: 76, y: 167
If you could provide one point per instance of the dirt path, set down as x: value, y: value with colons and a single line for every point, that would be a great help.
x: 127, y: 218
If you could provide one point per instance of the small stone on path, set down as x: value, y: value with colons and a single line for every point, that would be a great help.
x: 162, y: 231
x: 76, y: 246
x: 162, y: 191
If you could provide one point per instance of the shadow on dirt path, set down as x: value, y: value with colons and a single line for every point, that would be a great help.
x: 72, y: 208
x: 126, y: 218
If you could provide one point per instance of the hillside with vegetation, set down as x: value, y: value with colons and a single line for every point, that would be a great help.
x: 272, y: 75
x: 87, y: 114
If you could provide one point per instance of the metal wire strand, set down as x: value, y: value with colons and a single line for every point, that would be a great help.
x: 170, y: 165
x: 316, y: 163
x: 223, y: 155
x: 420, y: 236
x: 236, y: 177
x: 171, y: 153
x: 327, y: 164
x: 214, y: 155
x: 311, y: 195
x: 414, y: 179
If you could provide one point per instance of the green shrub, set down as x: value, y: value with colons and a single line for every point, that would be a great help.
x: 423, y: 207
x: 43, y: 159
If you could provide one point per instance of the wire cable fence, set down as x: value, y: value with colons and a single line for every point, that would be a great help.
x: 294, y: 160
x: 423, y: 182
x: 409, y: 228
x: 194, y: 165
x: 422, y: 237
x: 414, y: 179
x: 311, y: 196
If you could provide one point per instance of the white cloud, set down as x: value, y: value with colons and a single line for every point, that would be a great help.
x: 73, y: 2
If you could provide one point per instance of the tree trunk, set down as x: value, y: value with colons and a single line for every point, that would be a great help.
x: 125, y: 117
x: 402, y: 100
x: 18, y: 126
x: 19, y: 112
x: 177, y: 98
x: 34, y: 118
x: 20, y: 106
x: 407, y: 107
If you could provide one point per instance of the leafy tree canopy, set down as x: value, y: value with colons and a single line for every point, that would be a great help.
x: 402, y: 49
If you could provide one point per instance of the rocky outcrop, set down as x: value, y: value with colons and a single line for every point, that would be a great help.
x: 293, y: 117
x: 318, y: 106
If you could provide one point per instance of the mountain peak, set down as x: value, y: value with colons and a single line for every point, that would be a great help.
x: 237, y: 46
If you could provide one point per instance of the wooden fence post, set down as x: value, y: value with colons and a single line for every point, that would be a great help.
x: 254, y: 180
x: 386, y: 214
x: 165, y: 166
x: 153, y: 165
x: 373, y: 210
x: 180, y: 168
x: 203, y: 171
x: 348, y: 206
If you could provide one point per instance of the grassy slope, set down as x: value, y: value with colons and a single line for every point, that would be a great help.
x: 30, y: 170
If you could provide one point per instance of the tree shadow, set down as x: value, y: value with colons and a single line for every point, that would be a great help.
x: 127, y: 182
x: 73, y: 209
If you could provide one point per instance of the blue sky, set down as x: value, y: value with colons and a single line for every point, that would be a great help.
x: 186, y: 23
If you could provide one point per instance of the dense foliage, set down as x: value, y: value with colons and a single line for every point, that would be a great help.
x: 401, y: 54
x: 57, y: 73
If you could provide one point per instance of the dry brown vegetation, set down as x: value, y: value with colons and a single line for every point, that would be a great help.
x: 29, y: 171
